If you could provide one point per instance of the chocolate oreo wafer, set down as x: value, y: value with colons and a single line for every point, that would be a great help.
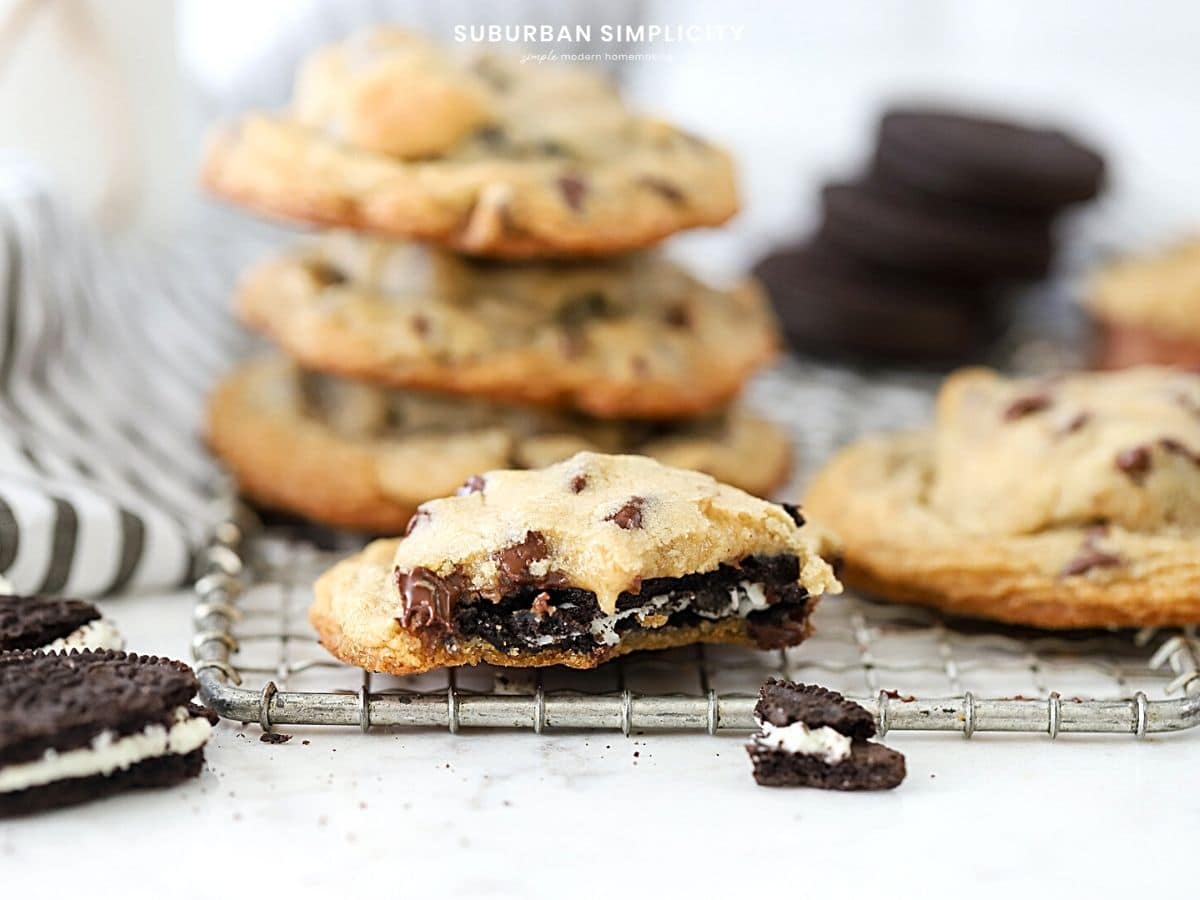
x: 78, y: 726
x: 895, y: 228
x: 54, y: 623
x: 813, y: 737
x: 978, y: 159
x: 830, y: 304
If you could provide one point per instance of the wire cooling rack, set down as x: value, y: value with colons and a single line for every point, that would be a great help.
x: 258, y: 660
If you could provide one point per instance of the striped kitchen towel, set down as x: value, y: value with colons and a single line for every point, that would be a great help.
x: 106, y: 353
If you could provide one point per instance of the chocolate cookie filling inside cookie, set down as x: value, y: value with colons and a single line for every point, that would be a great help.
x: 542, y: 613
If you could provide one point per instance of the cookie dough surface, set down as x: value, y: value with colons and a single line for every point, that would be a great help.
x: 631, y: 337
x: 361, y: 457
x: 392, y: 134
x: 1069, y: 504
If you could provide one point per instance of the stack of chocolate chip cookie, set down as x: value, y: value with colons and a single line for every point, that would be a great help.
x: 907, y: 259
x: 484, y: 299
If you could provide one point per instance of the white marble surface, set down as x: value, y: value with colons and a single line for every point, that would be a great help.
x: 514, y: 814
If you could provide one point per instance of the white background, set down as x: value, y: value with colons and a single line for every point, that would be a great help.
x: 411, y: 814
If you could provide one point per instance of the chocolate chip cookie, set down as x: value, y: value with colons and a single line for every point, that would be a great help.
x: 633, y: 337
x: 1068, y: 502
x: 356, y: 456
x: 76, y: 727
x: 392, y: 134
x: 575, y: 564
x: 1148, y: 308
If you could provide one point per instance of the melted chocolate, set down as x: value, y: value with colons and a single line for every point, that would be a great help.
x: 473, y: 485
x: 1091, y: 556
x: 574, y: 189
x: 665, y: 189
x: 1134, y: 462
x: 426, y: 599
x: 325, y: 273
x: 1027, y: 405
x: 515, y: 562
x: 421, y: 515
x: 629, y: 516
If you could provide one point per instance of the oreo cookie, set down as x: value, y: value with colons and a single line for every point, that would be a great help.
x: 983, y: 160
x: 78, y: 726
x: 833, y: 305
x: 53, y: 623
x: 813, y: 737
x: 895, y: 228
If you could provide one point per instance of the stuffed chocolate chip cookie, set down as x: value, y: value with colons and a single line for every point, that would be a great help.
x: 1066, y: 502
x: 634, y: 337
x: 356, y: 456
x: 390, y: 133
x: 574, y: 564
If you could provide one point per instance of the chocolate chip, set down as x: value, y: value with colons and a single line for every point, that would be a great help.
x: 578, y: 483
x: 1090, y: 558
x: 1090, y: 555
x: 514, y: 563
x: 1027, y: 405
x: 421, y: 325
x: 492, y: 136
x: 552, y: 148
x: 426, y: 599
x: 1134, y: 462
x: 664, y: 188
x: 421, y: 515
x: 486, y: 68
x: 1171, y: 445
x: 325, y: 273
x: 581, y: 308
x: 473, y: 485
x: 794, y: 511
x: 678, y: 316
x: 1077, y: 423
x: 574, y: 188
x: 629, y: 516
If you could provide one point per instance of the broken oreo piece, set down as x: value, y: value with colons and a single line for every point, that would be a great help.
x: 78, y: 726
x: 52, y: 623
x: 813, y: 737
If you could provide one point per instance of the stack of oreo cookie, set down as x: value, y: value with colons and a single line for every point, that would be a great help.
x: 912, y: 259
x: 483, y: 297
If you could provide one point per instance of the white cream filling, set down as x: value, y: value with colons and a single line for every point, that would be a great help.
x: 109, y: 753
x: 744, y: 598
x: 5, y: 585
x: 832, y: 746
x: 99, y: 634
